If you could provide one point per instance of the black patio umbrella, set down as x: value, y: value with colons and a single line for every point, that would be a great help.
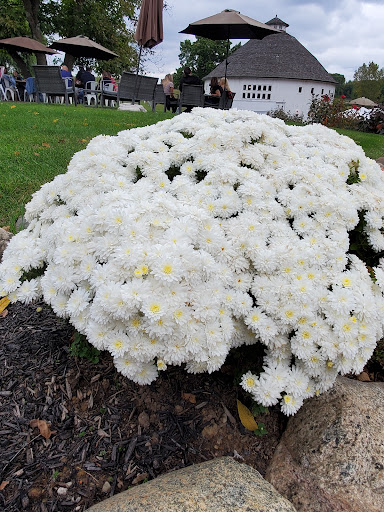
x: 229, y: 24
x: 24, y: 44
x: 82, y: 46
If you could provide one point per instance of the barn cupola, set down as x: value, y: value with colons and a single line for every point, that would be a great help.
x: 277, y: 23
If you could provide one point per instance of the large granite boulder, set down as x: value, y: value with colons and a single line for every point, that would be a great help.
x: 218, y: 485
x: 5, y: 237
x: 331, y: 456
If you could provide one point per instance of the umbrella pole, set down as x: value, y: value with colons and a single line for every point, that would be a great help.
x: 137, y: 76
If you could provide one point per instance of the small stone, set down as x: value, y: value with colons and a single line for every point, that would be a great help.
x: 363, y: 377
x: 62, y: 491
x: 106, y: 487
x: 35, y: 493
x: 143, y: 420
x: 210, y: 431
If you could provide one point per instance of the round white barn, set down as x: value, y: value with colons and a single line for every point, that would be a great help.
x: 274, y: 72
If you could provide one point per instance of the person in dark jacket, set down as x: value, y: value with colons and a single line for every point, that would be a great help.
x: 189, y: 79
x: 215, y: 93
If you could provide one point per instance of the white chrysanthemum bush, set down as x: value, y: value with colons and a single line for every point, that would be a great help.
x: 176, y: 242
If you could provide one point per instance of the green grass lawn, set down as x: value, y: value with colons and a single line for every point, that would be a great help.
x: 372, y: 143
x: 38, y: 141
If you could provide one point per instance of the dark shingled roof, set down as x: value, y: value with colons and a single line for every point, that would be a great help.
x: 276, y: 56
x: 277, y: 21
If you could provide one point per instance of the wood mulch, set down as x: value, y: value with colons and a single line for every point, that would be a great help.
x: 73, y: 433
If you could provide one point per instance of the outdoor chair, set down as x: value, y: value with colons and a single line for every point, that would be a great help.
x: 191, y: 96
x: 225, y: 102
x: 160, y: 98
x: 90, y: 93
x: 50, y: 82
x: 132, y: 88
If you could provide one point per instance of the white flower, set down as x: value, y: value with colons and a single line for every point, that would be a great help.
x: 173, y: 243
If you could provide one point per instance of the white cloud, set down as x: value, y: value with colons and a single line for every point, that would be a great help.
x: 341, y: 35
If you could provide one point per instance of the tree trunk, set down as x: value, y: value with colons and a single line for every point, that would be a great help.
x: 31, y: 12
x: 20, y: 63
x: 69, y: 60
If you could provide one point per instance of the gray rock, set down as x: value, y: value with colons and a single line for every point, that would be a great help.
x: 21, y: 224
x: 218, y: 485
x: 5, y: 237
x: 331, y: 456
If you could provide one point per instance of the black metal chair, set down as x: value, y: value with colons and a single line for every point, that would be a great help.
x: 50, y: 82
x: 191, y: 96
x: 132, y: 88
x: 160, y: 98
x: 225, y: 102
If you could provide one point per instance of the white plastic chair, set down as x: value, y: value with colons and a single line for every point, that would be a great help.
x: 90, y: 93
x: 109, y: 88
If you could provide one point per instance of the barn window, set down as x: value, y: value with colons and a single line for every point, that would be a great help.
x: 249, y: 95
x: 264, y: 87
x: 243, y: 94
x: 269, y: 87
x: 254, y: 87
x: 249, y: 87
x: 253, y: 95
x: 268, y: 97
x: 322, y: 91
x: 259, y: 88
x: 258, y: 96
x: 300, y: 89
x: 244, y: 87
x: 263, y: 97
x: 313, y: 90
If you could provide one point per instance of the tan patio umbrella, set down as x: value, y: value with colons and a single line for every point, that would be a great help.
x: 24, y: 44
x: 149, y: 30
x: 82, y: 46
x: 363, y: 102
x: 229, y: 24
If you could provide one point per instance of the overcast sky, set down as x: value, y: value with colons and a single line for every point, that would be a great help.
x: 341, y: 34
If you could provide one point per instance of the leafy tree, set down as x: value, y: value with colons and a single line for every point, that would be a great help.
x: 340, y: 79
x: 14, y: 23
x: 369, y: 81
x: 203, y: 55
x: 100, y: 20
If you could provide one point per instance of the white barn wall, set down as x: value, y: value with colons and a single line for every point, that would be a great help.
x: 283, y: 94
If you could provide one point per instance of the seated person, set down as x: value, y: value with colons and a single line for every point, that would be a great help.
x: 223, y: 82
x: 189, y: 79
x: 84, y: 76
x: 215, y: 92
x: 170, y: 100
x: 19, y: 81
x: 107, y: 78
x: 65, y: 73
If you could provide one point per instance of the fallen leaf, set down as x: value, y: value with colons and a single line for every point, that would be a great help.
x: 43, y: 426
x: 3, y: 484
x: 36, y: 154
x: 13, y: 106
x: 246, y: 417
x: 45, y: 144
x: 83, y: 140
x: 6, y: 228
x: 55, y: 120
x: 4, y: 302
x: 17, y: 153
x: 189, y: 397
x: 139, y: 478
x: 61, y: 141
